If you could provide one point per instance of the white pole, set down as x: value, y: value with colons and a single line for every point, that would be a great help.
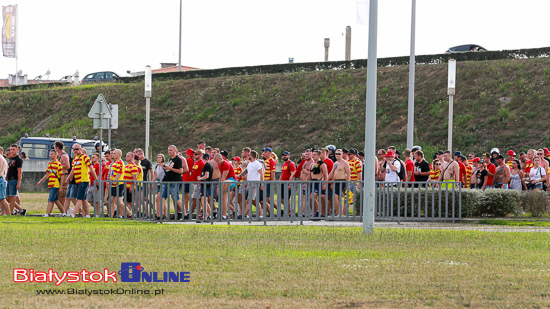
x: 148, y: 90
x: 179, y: 58
x: 410, y: 123
x: 369, y: 193
x: 451, y: 92
x: 450, y: 132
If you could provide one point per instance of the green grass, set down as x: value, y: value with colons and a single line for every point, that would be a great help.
x: 515, y: 222
x: 247, y: 266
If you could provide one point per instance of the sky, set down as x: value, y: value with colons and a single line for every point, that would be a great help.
x: 91, y: 36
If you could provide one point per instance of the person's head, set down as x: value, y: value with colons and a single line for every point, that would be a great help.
x: 215, y: 151
x: 338, y: 154
x: 208, y: 150
x: 447, y: 156
x: 218, y: 158
x: 77, y: 149
x: 361, y: 155
x: 59, y: 146
x: 118, y: 154
x: 419, y: 155
x: 266, y: 153
x: 53, y: 155
x: 205, y: 157
x: 303, y: 156
x: 1, y: 150
x: 487, y: 158
x: 107, y: 155
x: 245, y: 153
x: 481, y: 164
x: 23, y: 155
x: 510, y: 154
x: 316, y: 155
x: 475, y: 162
x: 436, y: 164
x: 407, y: 153
x: 457, y: 156
x: 14, y: 150
x: 352, y: 154
x: 130, y: 157
x: 540, y: 153
x: 172, y: 151
x: 522, y: 156
x: 236, y: 161
x: 253, y: 155
x: 197, y: 155
x: 392, y: 148
x: 389, y: 156
x: 160, y: 158
x: 464, y: 160
x: 531, y: 154
x: 324, y: 153
x: 139, y: 152
x: 471, y: 156
x: 95, y: 157
x: 201, y: 145
x: 439, y: 155
x: 225, y: 154
x: 380, y: 154
x: 103, y: 161
x: 137, y: 161
x: 500, y: 159
x: 345, y: 154
x: 286, y: 156
x: 536, y: 162
x: 515, y: 164
x: 308, y: 154
x: 274, y: 157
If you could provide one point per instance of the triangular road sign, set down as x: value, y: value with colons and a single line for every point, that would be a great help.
x: 100, y: 109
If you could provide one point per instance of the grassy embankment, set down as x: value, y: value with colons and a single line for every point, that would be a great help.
x: 498, y: 104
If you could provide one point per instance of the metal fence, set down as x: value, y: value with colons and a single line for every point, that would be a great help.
x: 274, y: 201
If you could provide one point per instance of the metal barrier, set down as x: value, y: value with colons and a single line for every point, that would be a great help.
x: 275, y: 201
x: 423, y: 201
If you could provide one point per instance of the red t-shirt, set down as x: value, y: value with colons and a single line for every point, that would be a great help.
x: 226, y: 166
x: 329, y: 164
x: 92, y: 178
x: 287, y: 169
x: 197, y: 170
x: 187, y: 176
x: 410, y: 167
x: 528, y: 166
x: 491, y: 168
x: 462, y: 171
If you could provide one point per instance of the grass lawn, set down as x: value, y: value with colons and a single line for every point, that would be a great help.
x: 515, y: 222
x: 241, y: 266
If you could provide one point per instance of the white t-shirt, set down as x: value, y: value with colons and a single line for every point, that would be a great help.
x: 536, y: 174
x: 392, y: 176
x: 254, y: 169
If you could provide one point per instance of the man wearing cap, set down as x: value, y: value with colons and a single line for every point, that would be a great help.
x: 494, y: 155
x: 187, y: 178
x: 287, y: 170
x: 269, y: 175
x: 450, y: 169
x: 511, y: 156
x: 475, y: 168
x: 462, y: 168
x: 392, y: 168
x: 481, y: 175
x: 345, y: 153
x: 502, y: 174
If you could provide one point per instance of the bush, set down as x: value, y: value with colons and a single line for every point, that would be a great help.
x: 535, y: 203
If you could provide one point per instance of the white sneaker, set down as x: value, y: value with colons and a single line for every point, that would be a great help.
x: 70, y: 211
x: 87, y: 217
x: 72, y: 216
x: 45, y: 215
x: 63, y: 215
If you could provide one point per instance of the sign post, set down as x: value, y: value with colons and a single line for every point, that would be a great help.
x: 100, y: 113
x: 451, y: 93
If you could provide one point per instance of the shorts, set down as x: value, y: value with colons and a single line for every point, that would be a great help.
x: 241, y: 189
x: 252, y: 191
x: 448, y: 185
x: 118, y: 190
x: 215, y: 187
x: 339, y: 187
x: 499, y: 185
x: 472, y: 186
x: 82, y: 190
x: 196, y: 191
x: 159, y: 188
x: 186, y: 188
x: 11, y: 189
x: 3, y: 185
x: 92, y: 193
x: 71, y: 191
x: 267, y: 189
x: 317, y: 187
x: 205, y: 190
x: 129, y: 198
x: 174, y: 192
x: 53, y: 196
x: 283, y: 191
x: 233, y: 183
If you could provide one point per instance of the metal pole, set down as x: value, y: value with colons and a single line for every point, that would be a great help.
x: 370, y: 122
x: 147, y: 122
x: 179, y: 58
x: 450, y: 134
x: 100, y: 203
x: 111, y: 109
x: 410, y: 123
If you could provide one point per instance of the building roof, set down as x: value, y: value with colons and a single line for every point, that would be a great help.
x: 173, y: 69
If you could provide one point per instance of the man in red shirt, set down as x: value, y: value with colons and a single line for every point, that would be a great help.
x: 93, y: 189
x: 228, y: 180
x: 194, y: 174
x: 462, y: 167
x: 287, y: 170
x: 330, y: 165
x: 491, y: 169
x: 529, y: 162
x: 269, y: 175
x: 187, y: 178
x: 409, y: 164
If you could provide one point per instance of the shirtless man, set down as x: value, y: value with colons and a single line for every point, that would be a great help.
x: 242, y: 187
x: 216, y: 174
x: 381, y: 175
x: 3, y: 203
x: 318, y: 173
x: 340, y: 172
x: 502, y: 174
x: 63, y: 158
x: 543, y: 163
x: 303, y: 170
x: 473, y: 178
x: 450, y: 170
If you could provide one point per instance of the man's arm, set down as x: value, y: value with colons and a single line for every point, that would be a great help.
x: 224, y: 176
x: 457, y: 171
x: 184, y: 166
x: 489, y: 172
x: 348, y: 172
x: 507, y: 174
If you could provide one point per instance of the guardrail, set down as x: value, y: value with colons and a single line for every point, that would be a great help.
x: 276, y: 201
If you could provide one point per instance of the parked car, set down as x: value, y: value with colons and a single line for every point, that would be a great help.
x: 100, y: 77
x: 465, y: 48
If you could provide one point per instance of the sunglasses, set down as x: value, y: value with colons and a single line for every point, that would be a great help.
x: 438, y: 164
x: 338, y: 154
x: 76, y: 148
x: 540, y: 154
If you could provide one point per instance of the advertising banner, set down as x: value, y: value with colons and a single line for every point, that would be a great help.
x: 9, y: 40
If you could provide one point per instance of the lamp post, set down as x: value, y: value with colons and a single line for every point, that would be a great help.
x: 410, y: 117
x: 451, y: 93
x: 148, y: 89
x: 179, y: 58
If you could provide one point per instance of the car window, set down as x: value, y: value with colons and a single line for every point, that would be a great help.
x: 36, y: 151
x: 108, y: 74
x: 100, y: 75
x: 89, y: 76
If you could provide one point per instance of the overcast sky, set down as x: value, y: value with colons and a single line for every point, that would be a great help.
x: 121, y: 35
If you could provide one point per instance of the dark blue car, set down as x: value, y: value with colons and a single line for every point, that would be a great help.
x: 100, y: 77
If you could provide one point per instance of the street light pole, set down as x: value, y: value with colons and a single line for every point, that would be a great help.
x: 179, y: 58
x: 148, y: 89
x: 410, y: 117
x: 451, y: 93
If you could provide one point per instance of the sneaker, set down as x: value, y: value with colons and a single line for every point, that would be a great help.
x: 178, y: 216
x: 71, y: 215
x: 224, y: 217
x: 24, y: 212
x: 261, y: 217
x: 45, y: 215
x: 63, y: 215
x: 247, y: 217
x: 15, y: 211
x: 316, y: 214
x: 87, y: 217
x: 186, y: 217
x: 157, y: 218
x: 70, y: 211
x: 239, y: 217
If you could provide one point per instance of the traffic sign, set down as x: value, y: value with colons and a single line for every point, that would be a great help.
x: 100, y: 109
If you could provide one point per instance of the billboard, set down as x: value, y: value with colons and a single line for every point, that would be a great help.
x: 9, y: 24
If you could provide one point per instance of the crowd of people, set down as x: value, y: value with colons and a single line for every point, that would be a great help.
x: 208, y: 180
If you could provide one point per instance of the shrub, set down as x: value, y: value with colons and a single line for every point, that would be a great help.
x: 535, y: 203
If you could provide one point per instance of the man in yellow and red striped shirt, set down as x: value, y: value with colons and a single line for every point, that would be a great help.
x: 269, y: 175
x: 81, y: 168
x: 131, y: 172
x: 116, y: 171
x: 53, y: 174
x: 466, y: 182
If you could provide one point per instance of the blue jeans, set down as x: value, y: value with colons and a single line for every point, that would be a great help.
x: 173, y: 191
x: 3, y: 185
x: 12, y: 188
x: 53, y: 195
